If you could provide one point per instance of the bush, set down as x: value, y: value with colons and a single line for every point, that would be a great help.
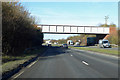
x: 18, y: 29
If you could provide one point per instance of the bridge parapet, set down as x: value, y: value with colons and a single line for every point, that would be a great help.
x: 70, y: 29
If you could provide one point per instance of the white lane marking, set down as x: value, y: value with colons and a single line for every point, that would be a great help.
x: 85, y: 63
x: 18, y: 74
x: 31, y: 64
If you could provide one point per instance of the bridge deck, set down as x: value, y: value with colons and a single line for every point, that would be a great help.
x: 69, y: 29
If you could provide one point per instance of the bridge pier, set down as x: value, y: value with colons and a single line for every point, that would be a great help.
x: 100, y: 36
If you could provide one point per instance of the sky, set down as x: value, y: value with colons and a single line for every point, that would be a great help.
x: 69, y: 0
x: 72, y: 13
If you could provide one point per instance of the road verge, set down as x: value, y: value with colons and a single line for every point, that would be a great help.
x: 17, y: 65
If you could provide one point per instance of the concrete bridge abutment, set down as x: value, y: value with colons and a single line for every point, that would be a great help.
x: 112, y: 31
x: 100, y: 36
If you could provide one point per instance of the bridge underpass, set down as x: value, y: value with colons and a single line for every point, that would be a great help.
x: 100, y: 32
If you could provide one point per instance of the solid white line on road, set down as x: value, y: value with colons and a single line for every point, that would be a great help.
x: 19, y: 74
x: 85, y: 63
x: 31, y: 64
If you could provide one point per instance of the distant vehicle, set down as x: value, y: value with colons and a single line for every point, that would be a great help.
x: 55, y: 43
x: 70, y: 42
x: 64, y: 45
x: 104, y: 44
x: 49, y: 43
x: 77, y: 44
x: 91, y: 41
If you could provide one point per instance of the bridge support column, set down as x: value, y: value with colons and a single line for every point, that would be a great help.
x: 100, y: 36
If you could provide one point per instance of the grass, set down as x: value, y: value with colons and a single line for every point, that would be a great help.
x: 113, y: 52
x: 11, y: 65
x: 56, y: 45
x: 11, y: 62
x: 13, y: 58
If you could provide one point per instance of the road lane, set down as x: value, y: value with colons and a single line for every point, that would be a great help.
x: 106, y: 65
x: 109, y: 58
x: 58, y: 63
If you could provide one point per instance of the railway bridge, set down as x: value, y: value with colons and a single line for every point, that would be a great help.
x: 100, y: 32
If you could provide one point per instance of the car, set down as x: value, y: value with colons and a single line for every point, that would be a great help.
x: 104, y: 44
x: 70, y: 42
x: 49, y: 45
x: 77, y: 44
x: 64, y: 45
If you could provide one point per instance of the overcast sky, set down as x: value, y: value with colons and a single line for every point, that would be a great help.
x: 72, y: 13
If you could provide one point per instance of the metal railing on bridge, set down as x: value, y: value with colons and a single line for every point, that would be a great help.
x: 70, y: 29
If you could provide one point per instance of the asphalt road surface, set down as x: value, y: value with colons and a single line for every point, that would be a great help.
x: 57, y: 62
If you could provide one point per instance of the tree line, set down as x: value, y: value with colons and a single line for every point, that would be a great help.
x: 19, y: 30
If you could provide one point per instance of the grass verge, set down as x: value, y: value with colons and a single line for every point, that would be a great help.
x: 56, y: 45
x: 11, y: 62
x: 106, y: 51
